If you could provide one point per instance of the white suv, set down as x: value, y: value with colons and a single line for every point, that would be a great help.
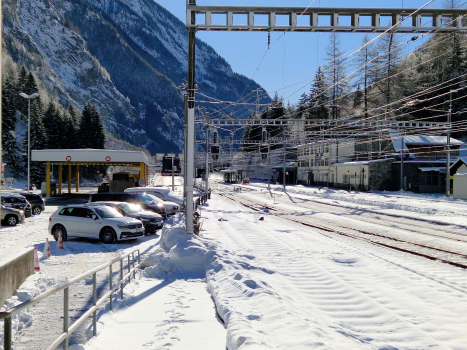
x: 99, y: 222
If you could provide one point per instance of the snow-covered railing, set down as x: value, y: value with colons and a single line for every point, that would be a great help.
x: 132, y: 266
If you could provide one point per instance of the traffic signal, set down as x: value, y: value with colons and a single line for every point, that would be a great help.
x: 264, y: 136
x: 214, y: 137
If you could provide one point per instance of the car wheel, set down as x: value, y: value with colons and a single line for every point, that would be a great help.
x: 56, y: 232
x: 11, y: 220
x: 36, y: 210
x: 108, y: 235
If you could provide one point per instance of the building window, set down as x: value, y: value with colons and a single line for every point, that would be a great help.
x: 429, y: 178
x: 326, y: 162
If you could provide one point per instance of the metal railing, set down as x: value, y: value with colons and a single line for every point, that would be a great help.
x: 69, y: 329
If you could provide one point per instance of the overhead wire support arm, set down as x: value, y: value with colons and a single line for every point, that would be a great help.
x: 310, y: 19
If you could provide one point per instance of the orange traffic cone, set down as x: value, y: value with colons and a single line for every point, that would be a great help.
x: 36, y: 260
x: 60, y: 240
x: 46, y: 253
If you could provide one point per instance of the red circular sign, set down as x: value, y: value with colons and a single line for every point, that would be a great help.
x: 68, y: 158
x: 108, y: 159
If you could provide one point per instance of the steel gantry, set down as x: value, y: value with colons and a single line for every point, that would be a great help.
x: 321, y: 19
x: 311, y: 19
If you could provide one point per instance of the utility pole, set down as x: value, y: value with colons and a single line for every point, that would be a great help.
x: 402, y: 162
x: 190, y: 140
x: 207, y: 152
x: 448, y: 150
x: 284, y: 165
x: 269, y: 164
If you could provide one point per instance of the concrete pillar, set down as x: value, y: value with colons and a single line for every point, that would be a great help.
x: 60, y: 178
x: 47, y: 180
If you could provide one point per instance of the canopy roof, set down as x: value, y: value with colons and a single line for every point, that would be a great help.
x: 90, y: 157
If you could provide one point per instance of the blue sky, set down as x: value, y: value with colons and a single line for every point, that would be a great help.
x: 293, y: 54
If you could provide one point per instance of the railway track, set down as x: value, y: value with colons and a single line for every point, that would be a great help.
x: 433, y: 249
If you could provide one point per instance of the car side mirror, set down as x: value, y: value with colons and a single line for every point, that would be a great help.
x: 94, y: 216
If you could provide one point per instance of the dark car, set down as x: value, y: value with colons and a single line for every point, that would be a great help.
x: 142, y: 199
x: 36, y: 201
x: 151, y: 221
x: 17, y: 201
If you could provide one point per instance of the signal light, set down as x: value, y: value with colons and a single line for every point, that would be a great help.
x: 264, y: 136
x: 214, y: 137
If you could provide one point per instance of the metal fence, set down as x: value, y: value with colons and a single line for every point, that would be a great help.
x: 132, y: 266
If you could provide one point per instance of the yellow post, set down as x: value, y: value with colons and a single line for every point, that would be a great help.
x: 141, y: 171
x: 147, y: 175
x: 60, y: 178
x: 69, y: 178
x: 47, y: 180
x: 77, y: 178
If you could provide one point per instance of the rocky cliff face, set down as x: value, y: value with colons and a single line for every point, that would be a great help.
x: 125, y: 56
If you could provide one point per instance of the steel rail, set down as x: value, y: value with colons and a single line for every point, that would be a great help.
x: 68, y: 330
x: 325, y: 228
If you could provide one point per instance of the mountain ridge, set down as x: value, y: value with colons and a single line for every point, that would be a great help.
x: 129, y: 57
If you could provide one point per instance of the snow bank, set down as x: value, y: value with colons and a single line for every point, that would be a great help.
x: 32, y: 287
x: 178, y: 253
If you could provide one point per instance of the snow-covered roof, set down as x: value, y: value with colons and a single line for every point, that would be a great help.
x: 431, y: 140
x: 89, y: 156
x: 287, y: 165
x: 461, y: 159
x: 360, y: 163
x: 396, y: 138
x: 432, y: 169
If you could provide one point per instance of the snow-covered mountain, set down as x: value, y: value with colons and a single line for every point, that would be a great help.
x: 125, y: 56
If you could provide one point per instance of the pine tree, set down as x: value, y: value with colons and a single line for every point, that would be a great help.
x: 390, y: 55
x: 318, y: 97
x: 22, y: 103
x: 100, y: 138
x: 38, y: 141
x: 53, y: 124
x: 302, y: 106
x: 335, y: 73
x: 85, y: 127
x: 91, y: 130
x: 68, y: 134
x: 11, y: 154
x: 366, y: 63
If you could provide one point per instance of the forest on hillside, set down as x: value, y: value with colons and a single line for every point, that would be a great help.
x: 52, y: 126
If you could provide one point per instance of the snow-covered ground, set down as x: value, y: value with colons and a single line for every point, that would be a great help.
x: 276, y: 284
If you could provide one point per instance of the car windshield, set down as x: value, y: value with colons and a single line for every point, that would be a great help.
x: 155, y: 199
x: 145, y: 198
x: 107, y: 212
x: 129, y: 208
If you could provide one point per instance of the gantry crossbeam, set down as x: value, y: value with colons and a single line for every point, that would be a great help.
x: 331, y: 123
x: 319, y: 19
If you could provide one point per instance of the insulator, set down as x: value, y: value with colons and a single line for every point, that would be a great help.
x: 269, y: 40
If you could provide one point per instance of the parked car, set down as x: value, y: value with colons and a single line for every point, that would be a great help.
x: 171, y: 207
x: 36, y: 201
x: 151, y: 221
x: 142, y: 199
x: 162, y: 194
x: 99, y: 222
x: 11, y: 216
x: 17, y: 201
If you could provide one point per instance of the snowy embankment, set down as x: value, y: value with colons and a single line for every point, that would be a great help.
x: 429, y: 204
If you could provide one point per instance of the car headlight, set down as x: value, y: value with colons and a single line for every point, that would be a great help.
x: 145, y: 220
x: 160, y: 205
x: 123, y: 226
